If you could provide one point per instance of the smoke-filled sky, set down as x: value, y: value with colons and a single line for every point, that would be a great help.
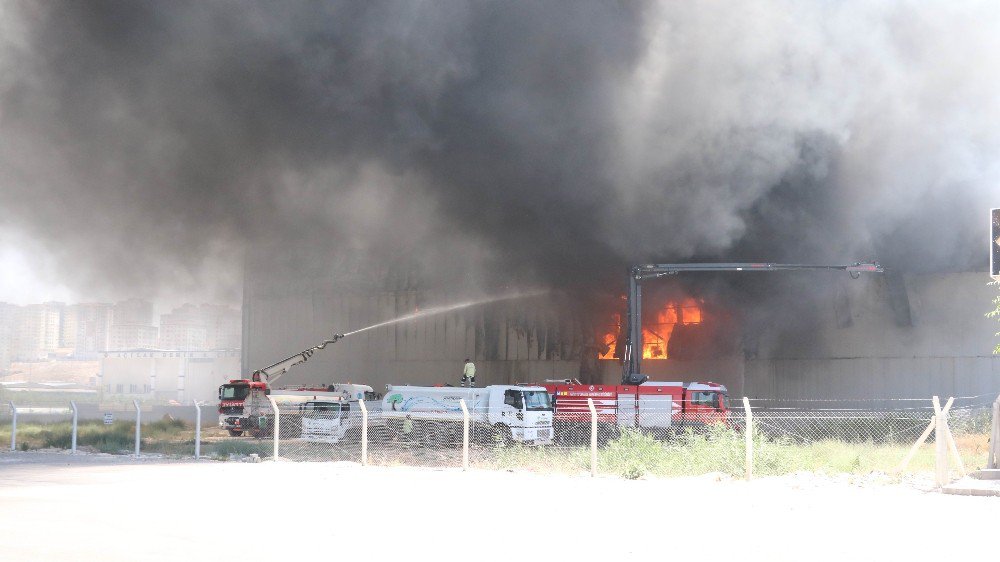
x: 145, y: 146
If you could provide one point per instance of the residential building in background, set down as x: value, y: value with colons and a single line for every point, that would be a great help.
x: 134, y: 311
x: 133, y: 336
x: 93, y: 333
x: 183, y: 329
x: 195, y: 349
x: 132, y: 326
x: 6, y: 334
x: 36, y: 331
x: 223, y: 326
x: 68, y: 326
x: 208, y: 326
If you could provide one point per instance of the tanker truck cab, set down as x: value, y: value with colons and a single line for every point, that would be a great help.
x: 325, y: 419
x: 523, y: 411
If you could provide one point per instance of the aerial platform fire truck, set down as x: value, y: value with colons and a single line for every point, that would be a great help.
x: 657, y: 406
x: 242, y: 402
x: 244, y: 406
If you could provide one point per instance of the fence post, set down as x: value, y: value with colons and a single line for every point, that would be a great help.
x: 951, y: 439
x: 593, y: 437
x: 138, y: 425
x: 364, y: 432
x: 748, y: 436
x: 277, y: 424
x: 994, y: 459
x: 13, y: 426
x: 916, y: 445
x: 940, y: 446
x: 76, y: 417
x: 465, y: 434
x: 197, y: 430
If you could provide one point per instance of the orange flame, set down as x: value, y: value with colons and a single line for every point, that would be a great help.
x: 656, y: 335
x: 610, y: 338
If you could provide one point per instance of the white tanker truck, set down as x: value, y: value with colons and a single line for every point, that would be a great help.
x: 521, y: 414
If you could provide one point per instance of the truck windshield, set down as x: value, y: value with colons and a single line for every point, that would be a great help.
x: 325, y: 408
x: 535, y: 400
x: 703, y: 398
x: 233, y: 392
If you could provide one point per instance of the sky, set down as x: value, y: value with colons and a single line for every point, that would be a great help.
x: 24, y: 280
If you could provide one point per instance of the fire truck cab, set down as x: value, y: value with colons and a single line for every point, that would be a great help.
x: 232, y: 399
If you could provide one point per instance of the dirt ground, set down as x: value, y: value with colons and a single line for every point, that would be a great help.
x: 80, y: 372
x: 54, y: 506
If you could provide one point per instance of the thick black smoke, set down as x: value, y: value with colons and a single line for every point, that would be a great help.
x: 152, y: 143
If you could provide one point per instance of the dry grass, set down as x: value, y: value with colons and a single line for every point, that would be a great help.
x: 634, y: 455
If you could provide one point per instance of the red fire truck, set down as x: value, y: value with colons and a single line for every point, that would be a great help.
x: 660, y: 407
x: 242, y: 401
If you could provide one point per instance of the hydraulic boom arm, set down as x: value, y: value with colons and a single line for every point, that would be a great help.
x: 638, y: 273
x: 272, y: 372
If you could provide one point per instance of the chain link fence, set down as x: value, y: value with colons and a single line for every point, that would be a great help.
x: 784, y: 437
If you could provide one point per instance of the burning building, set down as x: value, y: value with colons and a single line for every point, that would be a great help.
x: 819, y: 336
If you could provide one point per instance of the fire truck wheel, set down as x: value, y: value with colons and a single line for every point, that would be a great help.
x: 503, y: 435
x: 480, y: 434
x: 235, y: 433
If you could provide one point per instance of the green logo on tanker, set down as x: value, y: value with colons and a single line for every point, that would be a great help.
x: 395, y: 399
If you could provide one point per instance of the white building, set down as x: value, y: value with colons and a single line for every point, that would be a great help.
x: 168, y: 374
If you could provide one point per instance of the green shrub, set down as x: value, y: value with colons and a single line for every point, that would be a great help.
x: 242, y: 448
x: 118, y: 437
x: 165, y: 425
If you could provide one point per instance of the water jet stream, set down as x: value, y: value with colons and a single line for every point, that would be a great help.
x: 446, y: 308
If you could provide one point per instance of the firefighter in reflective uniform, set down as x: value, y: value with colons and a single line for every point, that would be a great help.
x: 469, y: 373
x: 407, y: 428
